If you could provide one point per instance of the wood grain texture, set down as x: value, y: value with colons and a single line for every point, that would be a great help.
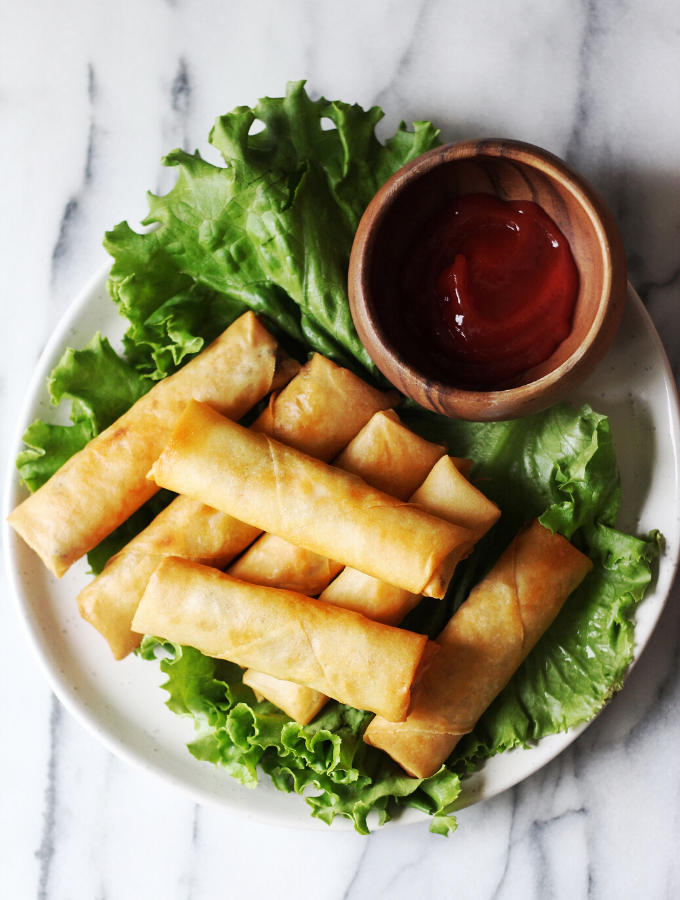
x: 510, y: 170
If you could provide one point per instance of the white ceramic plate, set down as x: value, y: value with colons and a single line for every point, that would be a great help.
x: 121, y: 702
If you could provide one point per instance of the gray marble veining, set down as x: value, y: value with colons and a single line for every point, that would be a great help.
x: 91, y: 96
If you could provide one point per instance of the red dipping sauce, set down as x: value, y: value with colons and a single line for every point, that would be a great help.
x: 489, y: 290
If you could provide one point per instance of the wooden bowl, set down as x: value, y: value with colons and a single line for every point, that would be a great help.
x: 510, y: 170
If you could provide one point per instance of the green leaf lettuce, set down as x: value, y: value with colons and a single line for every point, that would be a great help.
x: 271, y: 230
x: 101, y: 385
x: 327, y: 757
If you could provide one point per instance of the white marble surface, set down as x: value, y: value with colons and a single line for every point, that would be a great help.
x: 91, y: 95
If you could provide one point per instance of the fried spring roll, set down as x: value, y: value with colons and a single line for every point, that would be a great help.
x: 482, y: 646
x: 446, y: 493
x: 273, y: 562
x: 298, y: 416
x: 308, y: 503
x: 387, y: 456
x: 284, y: 634
x: 321, y: 396
x: 102, y: 485
x: 297, y: 701
x: 390, y: 457
x: 185, y: 528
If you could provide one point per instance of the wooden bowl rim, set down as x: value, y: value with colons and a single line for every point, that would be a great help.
x: 517, y: 151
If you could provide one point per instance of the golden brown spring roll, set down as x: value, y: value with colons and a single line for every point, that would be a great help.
x: 307, y: 502
x: 328, y: 397
x: 273, y: 562
x: 283, y: 634
x: 445, y: 493
x: 390, y: 457
x: 297, y: 701
x: 387, y: 456
x: 185, y: 528
x: 482, y: 646
x: 298, y: 416
x: 101, y: 486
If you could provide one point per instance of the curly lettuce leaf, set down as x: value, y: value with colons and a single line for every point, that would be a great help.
x: 179, y: 329
x: 559, y: 465
x: 48, y: 447
x: 328, y: 756
x: 101, y: 387
x: 271, y: 230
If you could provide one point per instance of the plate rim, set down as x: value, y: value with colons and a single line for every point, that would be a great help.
x: 84, y: 716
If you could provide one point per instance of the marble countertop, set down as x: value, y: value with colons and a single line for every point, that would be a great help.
x: 91, y: 96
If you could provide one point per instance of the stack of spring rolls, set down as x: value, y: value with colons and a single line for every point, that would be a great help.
x: 311, y: 607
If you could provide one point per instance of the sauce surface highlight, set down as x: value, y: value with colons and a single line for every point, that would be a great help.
x: 489, y: 290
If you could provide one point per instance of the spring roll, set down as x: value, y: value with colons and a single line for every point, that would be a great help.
x: 390, y: 457
x: 101, y: 486
x: 284, y: 634
x: 445, y: 493
x: 328, y: 398
x: 273, y: 562
x: 299, y: 702
x: 482, y: 646
x: 308, y: 503
x: 387, y: 456
x: 298, y: 416
x: 185, y: 528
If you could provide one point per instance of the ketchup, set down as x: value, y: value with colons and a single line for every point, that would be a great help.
x: 489, y: 290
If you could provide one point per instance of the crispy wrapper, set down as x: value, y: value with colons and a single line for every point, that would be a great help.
x: 370, y: 596
x: 304, y: 702
x: 390, y: 457
x: 445, y: 493
x: 101, y: 486
x: 385, y: 454
x: 277, y: 563
x: 185, y: 528
x: 287, y: 635
x: 298, y: 415
x: 482, y: 646
x: 329, y: 398
x: 308, y: 503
